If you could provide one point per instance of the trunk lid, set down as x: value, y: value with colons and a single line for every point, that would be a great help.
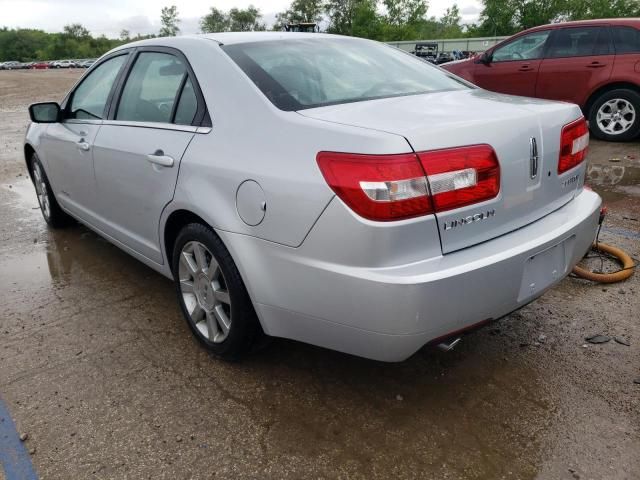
x: 506, y: 123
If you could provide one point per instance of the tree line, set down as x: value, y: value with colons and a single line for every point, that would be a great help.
x: 383, y: 20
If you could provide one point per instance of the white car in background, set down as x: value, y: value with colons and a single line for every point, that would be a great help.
x: 9, y: 65
x: 63, y: 64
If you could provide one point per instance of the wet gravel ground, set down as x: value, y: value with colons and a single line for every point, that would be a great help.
x: 98, y: 367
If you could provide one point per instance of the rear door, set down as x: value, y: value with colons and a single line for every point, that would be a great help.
x: 514, y: 66
x: 627, y: 45
x: 138, y: 150
x: 578, y: 59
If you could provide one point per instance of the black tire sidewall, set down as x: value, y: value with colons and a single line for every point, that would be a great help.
x: 630, y: 95
x: 58, y: 218
x: 244, y: 328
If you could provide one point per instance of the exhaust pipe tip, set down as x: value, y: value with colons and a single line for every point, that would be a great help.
x: 449, y: 345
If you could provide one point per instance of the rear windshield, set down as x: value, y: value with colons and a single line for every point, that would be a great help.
x: 303, y: 73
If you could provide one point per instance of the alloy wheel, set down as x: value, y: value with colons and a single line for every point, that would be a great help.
x: 41, y: 190
x: 204, y: 292
x: 616, y: 116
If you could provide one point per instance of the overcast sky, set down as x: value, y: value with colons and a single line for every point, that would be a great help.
x: 109, y: 17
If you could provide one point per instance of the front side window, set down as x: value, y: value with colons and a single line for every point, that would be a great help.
x: 150, y: 91
x: 626, y: 39
x: 304, y: 73
x: 527, y: 47
x: 90, y: 98
x: 579, y: 42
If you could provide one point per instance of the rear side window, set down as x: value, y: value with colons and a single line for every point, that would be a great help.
x: 626, y: 39
x: 578, y: 42
x: 304, y: 73
x: 89, y: 99
x: 151, y: 89
x: 187, y: 105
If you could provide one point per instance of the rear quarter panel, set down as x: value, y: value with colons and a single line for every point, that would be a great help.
x: 252, y: 139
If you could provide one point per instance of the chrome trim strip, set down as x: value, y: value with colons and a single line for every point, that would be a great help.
x: 533, y: 157
x: 156, y: 125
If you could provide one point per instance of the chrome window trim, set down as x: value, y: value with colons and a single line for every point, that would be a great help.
x: 156, y: 125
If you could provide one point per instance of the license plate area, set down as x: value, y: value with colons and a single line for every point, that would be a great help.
x: 544, y: 269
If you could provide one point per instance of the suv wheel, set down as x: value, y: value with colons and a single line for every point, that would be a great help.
x: 212, y: 295
x: 615, y: 115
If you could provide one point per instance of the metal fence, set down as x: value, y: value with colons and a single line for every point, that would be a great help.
x: 448, y: 45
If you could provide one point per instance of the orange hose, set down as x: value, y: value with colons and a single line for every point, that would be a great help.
x: 619, y: 276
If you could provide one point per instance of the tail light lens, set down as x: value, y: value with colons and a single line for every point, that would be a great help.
x: 394, y: 187
x: 461, y: 176
x: 378, y: 187
x: 574, y: 143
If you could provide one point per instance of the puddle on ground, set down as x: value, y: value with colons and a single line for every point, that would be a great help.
x: 615, y: 182
x: 610, y: 175
x: 53, y: 256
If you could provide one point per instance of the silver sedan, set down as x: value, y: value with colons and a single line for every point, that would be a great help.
x: 331, y: 190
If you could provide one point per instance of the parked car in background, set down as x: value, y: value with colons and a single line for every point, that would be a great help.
x: 86, y: 63
x: 427, y: 51
x: 11, y: 65
x: 63, y: 64
x: 444, y: 57
x: 368, y: 206
x: 594, y: 63
x: 40, y: 65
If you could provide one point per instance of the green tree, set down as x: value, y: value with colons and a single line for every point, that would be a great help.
x: 582, y: 9
x: 246, y: 20
x: 405, y: 12
x: 450, y: 23
x: 76, y: 31
x: 300, y: 11
x: 169, y: 20
x: 125, y: 35
x: 347, y: 16
x: 215, y: 21
x: 506, y: 17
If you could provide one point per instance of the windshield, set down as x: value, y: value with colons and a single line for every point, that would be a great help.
x: 299, y: 73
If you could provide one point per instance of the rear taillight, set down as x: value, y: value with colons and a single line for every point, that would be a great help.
x: 574, y: 143
x: 378, y: 187
x: 394, y: 187
x: 461, y: 176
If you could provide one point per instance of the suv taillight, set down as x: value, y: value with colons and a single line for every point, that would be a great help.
x: 574, y: 143
x: 394, y: 187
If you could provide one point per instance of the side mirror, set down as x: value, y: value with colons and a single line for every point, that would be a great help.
x: 46, y: 112
x: 485, y: 58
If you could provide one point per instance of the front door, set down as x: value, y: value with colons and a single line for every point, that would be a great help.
x: 69, y: 144
x: 513, y: 67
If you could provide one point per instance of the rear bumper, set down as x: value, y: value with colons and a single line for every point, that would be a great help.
x: 390, y: 312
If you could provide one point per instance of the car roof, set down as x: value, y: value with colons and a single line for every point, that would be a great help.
x: 229, y: 38
x: 579, y: 23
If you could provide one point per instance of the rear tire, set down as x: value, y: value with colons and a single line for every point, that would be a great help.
x: 51, y: 211
x: 212, y: 295
x: 615, y: 115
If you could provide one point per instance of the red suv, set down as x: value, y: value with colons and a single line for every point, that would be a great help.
x: 594, y: 63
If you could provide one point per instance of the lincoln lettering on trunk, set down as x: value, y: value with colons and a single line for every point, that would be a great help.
x: 478, y: 217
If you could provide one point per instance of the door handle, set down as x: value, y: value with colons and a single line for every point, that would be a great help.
x: 84, y: 146
x: 596, y: 65
x: 159, y: 158
x: 525, y: 68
